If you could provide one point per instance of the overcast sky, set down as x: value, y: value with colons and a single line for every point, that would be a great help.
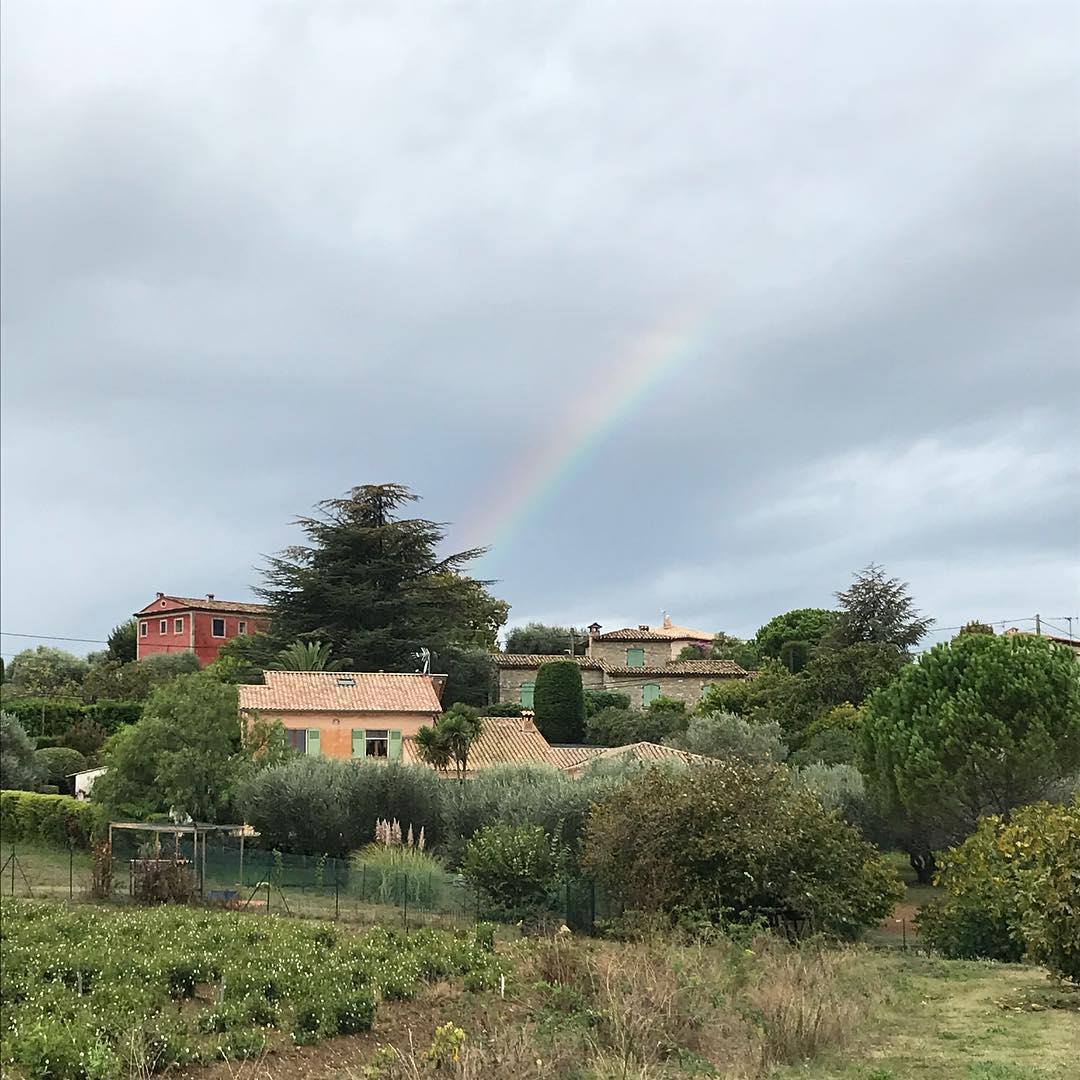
x: 257, y: 253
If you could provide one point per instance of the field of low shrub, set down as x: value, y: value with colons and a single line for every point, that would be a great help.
x: 95, y: 994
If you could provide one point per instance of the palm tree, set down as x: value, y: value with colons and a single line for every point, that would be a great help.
x: 450, y: 741
x: 306, y: 656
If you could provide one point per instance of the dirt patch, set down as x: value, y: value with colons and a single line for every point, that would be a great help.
x: 396, y: 1022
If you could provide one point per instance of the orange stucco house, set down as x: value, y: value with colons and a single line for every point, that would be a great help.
x: 346, y: 714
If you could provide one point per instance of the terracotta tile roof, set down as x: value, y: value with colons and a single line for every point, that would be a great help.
x: 631, y: 634
x: 1072, y: 642
x: 503, y: 741
x: 534, y: 660
x: 565, y: 757
x: 686, y: 668
x: 682, y: 633
x: 190, y: 603
x: 331, y: 691
x: 641, y: 751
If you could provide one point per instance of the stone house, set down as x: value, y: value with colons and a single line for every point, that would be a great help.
x: 641, y: 662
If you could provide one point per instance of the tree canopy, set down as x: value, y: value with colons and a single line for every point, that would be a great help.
x: 808, y: 625
x: 980, y: 725
x: 123, y: 642
x: 373, y: 585
x: 544, y: 640
x: 45, y: 671
x: 18, y: 769
x: 448, y: 743
x: 879, y: 610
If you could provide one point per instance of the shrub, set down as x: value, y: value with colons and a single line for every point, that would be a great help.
x: 85, y: 735
x: 44, y: 716
x: 559, y: 702
x: 596, y: 701
x: 113, y: 715
x: 502, y: 708
x: 57, y: 763
x: 1012, y: 888
x: 515, y: 867
x: 18, y: 767
x: 393, y: 873
x: 725, y: 735
x: 732, y: 839
x: 30, y: 817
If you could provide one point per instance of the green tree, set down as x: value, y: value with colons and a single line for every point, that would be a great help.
x: 123, y: 642
x: 736, y: 840
x: 809, y: 625
x: 185, y: 754
x: 540, y: 639
x: 46, y: 672
x: 448, y: 743
x: 113, y: 681
x: 724, y: 735
x: 307, y: 656
x: 18, y: 770
x: 559, y: 702
x: 55, y: 764
x: 469, y: 672
x: 878, y: 609
x: 517, y: 868
x: 980, y: 725
x: 372, y: 585
x: 596, y: 701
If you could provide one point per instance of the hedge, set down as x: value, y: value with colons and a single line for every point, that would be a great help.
x: 51, y: 717
x: 29, y: 817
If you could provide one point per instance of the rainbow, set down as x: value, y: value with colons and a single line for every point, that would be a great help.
x: 615, y: 394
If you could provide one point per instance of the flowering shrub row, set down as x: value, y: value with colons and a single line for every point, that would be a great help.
x: 92, y: 994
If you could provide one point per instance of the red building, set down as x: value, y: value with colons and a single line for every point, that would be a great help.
x: 172, y: 624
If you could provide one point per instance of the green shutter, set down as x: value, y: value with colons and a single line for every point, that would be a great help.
x: 527, y: 689
x: 313, y: 742
x: 393, y: 747
x: 359, y: 742
x: 649, y: 693
x: 635, y: 657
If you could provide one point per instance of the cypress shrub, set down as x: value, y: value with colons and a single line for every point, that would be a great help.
x: 559, y: 702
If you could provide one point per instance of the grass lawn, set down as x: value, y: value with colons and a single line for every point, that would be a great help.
x: 953, y: 1019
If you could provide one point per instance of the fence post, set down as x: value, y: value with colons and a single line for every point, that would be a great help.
x: 337, y: 890
x: 405, y: 903
x: 12, y: 860
x: 363, y: 882
x: 71, y: 869
x: 268, y: 895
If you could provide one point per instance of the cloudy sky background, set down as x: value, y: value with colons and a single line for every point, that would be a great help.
x: 256, y: 253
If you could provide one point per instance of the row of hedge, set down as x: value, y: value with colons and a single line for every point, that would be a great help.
x: 30, y: 817
x: 51, y: 717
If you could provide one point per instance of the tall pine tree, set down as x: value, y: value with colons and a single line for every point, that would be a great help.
x: 372, y: 585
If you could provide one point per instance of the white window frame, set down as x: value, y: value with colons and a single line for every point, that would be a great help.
x: 178, y: 625
x: 163, y: 626
x: 144, y: 628
x: 377, y: 735
x: 224, y: 627
x: 241, y: 626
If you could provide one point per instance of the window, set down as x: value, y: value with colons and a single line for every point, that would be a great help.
x: 635, y: 657
x: 377, y: 743
x: 178, y: 626
x: 298, y: 739
x: 241, y: 627
x: 314, y: 742
x: 163, y: 626
x: 217, y: 628
x: 527, y: 689
x: 144, y: 629
x: 649, y: 693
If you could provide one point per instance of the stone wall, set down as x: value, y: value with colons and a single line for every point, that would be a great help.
x: 511, y: 680
x: 686, y: 688
x: 613, y: 653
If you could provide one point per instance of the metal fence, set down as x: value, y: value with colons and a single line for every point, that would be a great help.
x: 231, y: 876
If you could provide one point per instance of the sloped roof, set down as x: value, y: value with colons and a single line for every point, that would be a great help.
x: 503, y: 740
x: 687, y: 668
x: 565, y: 757
x: 330, y: 691
x: 630, y: 633
x: 1072, y: 642
x: 682, y: 633
x: 535, y: 660
x: 190, y: 603
x: 643, y: 751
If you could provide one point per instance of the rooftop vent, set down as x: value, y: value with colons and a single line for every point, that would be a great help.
x: 643, y: 626
x: 209, y: 596
x: 346, y: 680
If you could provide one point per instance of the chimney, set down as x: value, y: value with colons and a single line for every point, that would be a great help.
x: 160, y: 595
x: 209, y: 596
x: 643, y: 626
x: 667, y: 621
x: 594, y: 628
x: 526, y: 724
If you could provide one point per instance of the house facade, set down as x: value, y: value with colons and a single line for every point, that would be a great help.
x: 346, y: 715
x: 173, y: 624
x: 640, y: 662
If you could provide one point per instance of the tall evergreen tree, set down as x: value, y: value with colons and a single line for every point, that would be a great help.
x: 372, y: 585
x: 879, y: 610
